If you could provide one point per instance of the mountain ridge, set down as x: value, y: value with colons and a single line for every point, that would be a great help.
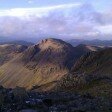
x: 91, y: 73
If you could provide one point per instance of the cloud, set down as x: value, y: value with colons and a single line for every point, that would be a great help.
x: 106, y: 29
x: 22, y: 12
x: 30, y: 1
x: 63, y: 21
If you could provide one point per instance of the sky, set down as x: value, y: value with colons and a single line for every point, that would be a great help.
x: 69, y: 19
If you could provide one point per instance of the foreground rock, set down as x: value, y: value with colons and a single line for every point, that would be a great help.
x: 20, y: 100
x: 28, y: 110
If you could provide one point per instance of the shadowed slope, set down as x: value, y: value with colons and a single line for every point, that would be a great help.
x: 91, y: 73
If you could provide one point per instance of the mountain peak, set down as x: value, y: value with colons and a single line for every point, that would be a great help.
x: 53, y: 43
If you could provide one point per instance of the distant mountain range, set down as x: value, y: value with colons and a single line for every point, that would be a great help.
x: 74, y: 42
x: 95, y: 42
x: 17, y: 42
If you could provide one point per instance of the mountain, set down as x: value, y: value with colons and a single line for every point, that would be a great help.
x: 91, y: 73
x: 43, y: 64
x: 95, y: 42
x: 9, y: 51
x: 99, y: 60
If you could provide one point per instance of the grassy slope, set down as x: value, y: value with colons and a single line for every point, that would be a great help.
x: 19, y: 75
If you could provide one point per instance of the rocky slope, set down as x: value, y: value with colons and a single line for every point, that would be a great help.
x: 91, y: 73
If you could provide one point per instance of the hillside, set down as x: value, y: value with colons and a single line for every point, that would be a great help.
x: 9, y: 51
x: 40, y: 64
x: 91, y: 73
x: 98, y: 61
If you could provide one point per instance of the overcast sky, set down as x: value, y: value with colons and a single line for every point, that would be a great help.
x: 80, y: 19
